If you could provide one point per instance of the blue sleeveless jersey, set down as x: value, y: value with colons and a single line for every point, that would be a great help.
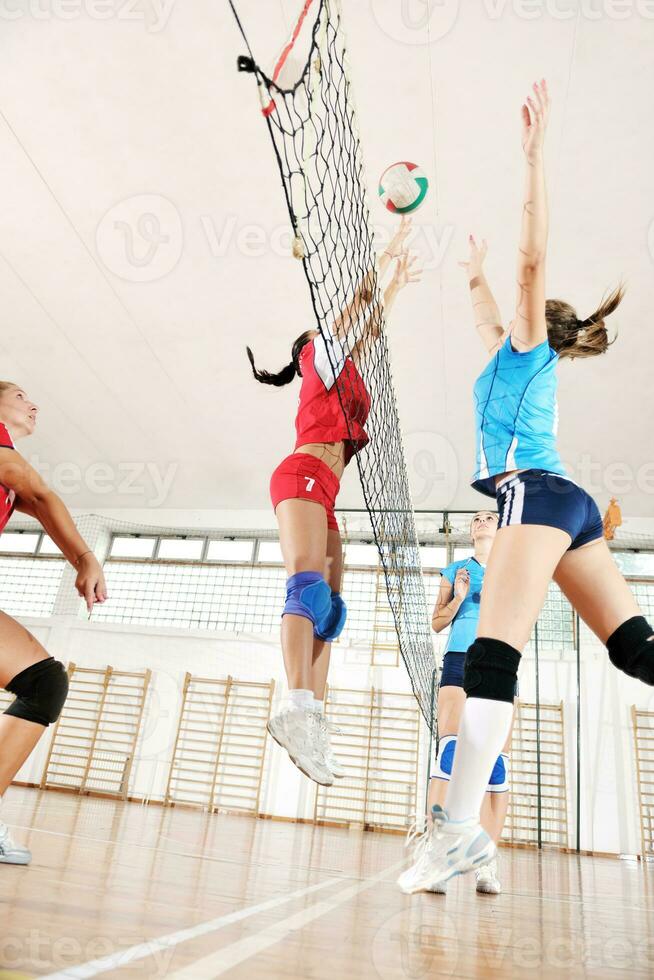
x: 463, y: 629
x: 517, y: 415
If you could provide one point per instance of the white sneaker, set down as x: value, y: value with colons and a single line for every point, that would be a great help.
x: 334, y: 766
x: 487, y: 881
x: 10, y: 852
x: 298, y: 731
x: 451, y: 848
x: 420, y: 837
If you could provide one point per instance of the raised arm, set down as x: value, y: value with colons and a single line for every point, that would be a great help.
x: 404, y: 273
x: 34, y: 497
x: 363, y: 295
x: 530, y: 326
x: 449, y: 600
x: 485, y: 310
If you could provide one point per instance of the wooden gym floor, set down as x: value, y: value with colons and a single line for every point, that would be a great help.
x: 122, y: 891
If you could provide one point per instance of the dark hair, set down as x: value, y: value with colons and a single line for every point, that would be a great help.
x: 571, y: 337
x: 287, y: 374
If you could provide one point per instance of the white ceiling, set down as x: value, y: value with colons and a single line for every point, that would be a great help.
x: 143, y: 364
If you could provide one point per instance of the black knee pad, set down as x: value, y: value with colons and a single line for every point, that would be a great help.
x: 631, y: 649
x: 491, y: 670
x: 41, y: 692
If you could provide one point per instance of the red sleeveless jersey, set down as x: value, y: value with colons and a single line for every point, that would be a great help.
x: 7, y: 497
x: 321, y: 417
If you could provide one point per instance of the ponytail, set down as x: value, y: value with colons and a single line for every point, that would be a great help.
x: 287, y: 374
x: 572, y: 337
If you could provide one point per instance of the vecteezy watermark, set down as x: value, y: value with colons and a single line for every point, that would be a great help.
x: 154, y: 14
x: 420, y: 22
x: 432, y: 467
x: 253, y: 241
x: 147, y: 480
x: 34, y: 950
x: 569, y: 9
x: 141, y: 238
x: 415, y: 21
x: 415, y: 944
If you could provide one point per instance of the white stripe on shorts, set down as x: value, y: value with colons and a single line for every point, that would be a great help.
x: 518, y: 504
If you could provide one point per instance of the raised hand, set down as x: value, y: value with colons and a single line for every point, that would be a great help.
x: 405, y: 272
x: 478, y: 253
x: 397, y: 243
x: 535, y: 116
x: 461, y: 584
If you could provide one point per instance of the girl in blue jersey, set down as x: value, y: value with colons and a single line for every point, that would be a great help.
x: 457, y: 606
x: 549, y: 527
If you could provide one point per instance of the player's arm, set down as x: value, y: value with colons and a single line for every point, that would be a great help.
x: 363, y: 295
x: 405, y: 273
x: 450, y: 597
x: 34, y: 497
x: 488, y: 320
x: 530, y: 326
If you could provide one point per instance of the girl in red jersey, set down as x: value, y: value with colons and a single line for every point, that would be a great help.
x: 330, y: 426
x: 38, y: 681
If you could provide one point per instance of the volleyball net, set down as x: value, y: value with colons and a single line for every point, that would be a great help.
x: 310, y: 115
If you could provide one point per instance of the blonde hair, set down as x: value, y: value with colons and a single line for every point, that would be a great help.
x: 571, y: 337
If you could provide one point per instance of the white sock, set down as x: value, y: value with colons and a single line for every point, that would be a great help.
x: 482, y: 733
x: 319, y: 706
x: 300, y: 700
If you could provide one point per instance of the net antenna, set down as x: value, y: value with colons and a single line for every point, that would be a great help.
x: 312, y: 124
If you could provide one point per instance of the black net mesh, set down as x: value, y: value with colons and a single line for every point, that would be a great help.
x: 314, y: 132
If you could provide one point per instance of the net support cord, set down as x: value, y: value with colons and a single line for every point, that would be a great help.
x: 313, y: 130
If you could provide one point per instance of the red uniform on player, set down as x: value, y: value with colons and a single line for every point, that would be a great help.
x: 7, y: 497
x: 333, y: 407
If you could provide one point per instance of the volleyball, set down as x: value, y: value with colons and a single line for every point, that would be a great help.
x: 403, y: 187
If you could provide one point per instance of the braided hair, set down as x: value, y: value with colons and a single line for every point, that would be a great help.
x: 287, y: 374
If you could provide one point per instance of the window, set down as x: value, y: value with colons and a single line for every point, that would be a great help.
x: 132, y: 547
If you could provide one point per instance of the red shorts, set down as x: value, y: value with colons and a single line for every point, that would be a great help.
x: 307, y: 477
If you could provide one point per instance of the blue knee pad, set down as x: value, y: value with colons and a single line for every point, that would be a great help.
x: 499, y: 781
x: 333, y: 627
x: 445, y: 758
x: 308, y: 595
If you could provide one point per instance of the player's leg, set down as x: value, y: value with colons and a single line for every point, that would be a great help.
x: 322, y: 648
x: 303, y: 541
x: 493, y: 816
x: 451, y: 699
x: 40, y: 685
x: 590, y: 579
x: 519, y: 571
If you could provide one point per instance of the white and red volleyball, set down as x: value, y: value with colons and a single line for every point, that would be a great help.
x: 403, y: 187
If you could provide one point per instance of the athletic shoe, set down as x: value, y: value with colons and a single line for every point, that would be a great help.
x: 298, y: 731
x: 334, y: 766
x: 420, y: 838
x: 10, y: 852
x: 487, y: 881
x: 452, y: 848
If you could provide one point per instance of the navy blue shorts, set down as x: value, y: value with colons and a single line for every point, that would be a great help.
x: 538, y: 497
x: 452, y: 672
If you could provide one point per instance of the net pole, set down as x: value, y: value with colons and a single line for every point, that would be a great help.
x: 538, y: 756
x: 578, y: 759
x: 433, y: 734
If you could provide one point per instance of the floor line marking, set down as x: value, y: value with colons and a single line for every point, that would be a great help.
x: 218, y: 963
x: 115, y: 961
